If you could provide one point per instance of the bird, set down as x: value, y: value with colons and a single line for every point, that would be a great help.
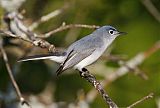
x: 83, y: 52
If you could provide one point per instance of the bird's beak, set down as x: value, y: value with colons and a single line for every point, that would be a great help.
x: 121, y: 33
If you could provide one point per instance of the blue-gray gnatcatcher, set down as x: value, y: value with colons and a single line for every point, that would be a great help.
x: 82, y: 52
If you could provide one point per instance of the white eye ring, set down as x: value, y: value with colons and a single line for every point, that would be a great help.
x: 111, y: 32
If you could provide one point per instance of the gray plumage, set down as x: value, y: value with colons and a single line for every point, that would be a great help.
x: 84, y: 51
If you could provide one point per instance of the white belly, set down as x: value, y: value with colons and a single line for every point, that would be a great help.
x: 93, y: 57
x: 89, y: 60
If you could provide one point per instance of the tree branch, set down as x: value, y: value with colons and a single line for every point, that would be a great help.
x: 36, y: 42
x: 47, y: 17
x: 141, y: 100
x: 152, y: 9
x: 65, y: 27
x: 91, y: 78
x: 5, y: 58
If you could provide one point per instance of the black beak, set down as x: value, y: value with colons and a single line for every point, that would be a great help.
x: 122, y: 33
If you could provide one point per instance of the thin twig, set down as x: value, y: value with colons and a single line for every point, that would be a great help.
x: 37, y: 41
x: 44, y: 44
x: 136, y: 70
x: 113, y: 57
x: 22, y: 100
x: 152, y: 9
x: 91, y: 78
x: 20, y: 30
x: 47, y: 17
x: 141, y: 100
x: 64, y: 27
x: 9, y: 34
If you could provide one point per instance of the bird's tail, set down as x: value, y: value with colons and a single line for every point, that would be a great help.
x: 56, y: 56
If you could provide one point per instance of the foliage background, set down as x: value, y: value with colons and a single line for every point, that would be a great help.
x: 126, y: 15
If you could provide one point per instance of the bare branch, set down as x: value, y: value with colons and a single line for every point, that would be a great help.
x: 37, y: 41
x: 141, y: 100
x: 16, y: 26
x: 136, y: 70
x: 134, y: 62
x: 64, y: 27
x: 9, y: 34
x: 152, y: 50
x: 152, y: 9
x: 21, y: 31
x: 113, y: 57
x: 47, y: 17
x: 91, y: 78
x: 18, y: 29
x: 5, y: 58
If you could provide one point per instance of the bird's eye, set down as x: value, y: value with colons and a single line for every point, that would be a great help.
x: 111, y: 32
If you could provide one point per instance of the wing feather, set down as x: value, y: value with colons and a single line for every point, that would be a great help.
x: 74, y: 58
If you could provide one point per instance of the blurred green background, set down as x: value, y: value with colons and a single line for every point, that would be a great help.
x: 130, y: 16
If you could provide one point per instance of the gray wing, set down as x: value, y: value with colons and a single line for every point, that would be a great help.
x: 82, y: 49
x: 79, y: 50
x: 77, y: 57
x: 73, y: 58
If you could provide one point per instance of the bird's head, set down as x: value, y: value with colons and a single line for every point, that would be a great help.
x: 109, y: 32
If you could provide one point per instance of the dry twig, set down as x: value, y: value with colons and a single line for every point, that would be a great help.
x: 47, y: 17
x: 22, y: 100
x: 152, y: 9
x: 42, y: 43
x: 36, y: 42
x: 91, y: 78
x: 65, y: 27
x: 141, y: 100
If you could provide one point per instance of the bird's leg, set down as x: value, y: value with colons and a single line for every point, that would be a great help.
x: 84, y: 73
